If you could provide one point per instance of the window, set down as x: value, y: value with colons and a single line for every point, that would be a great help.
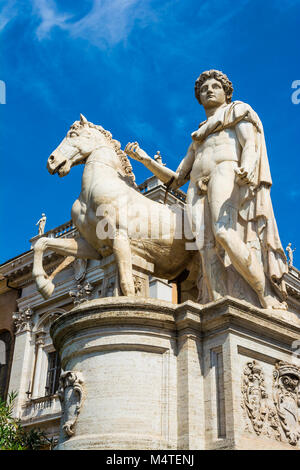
x: 5, y: 344
x: 53, y: 373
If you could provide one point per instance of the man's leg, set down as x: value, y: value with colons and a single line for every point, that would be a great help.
x: 223, y: 196
x: 214, y: 274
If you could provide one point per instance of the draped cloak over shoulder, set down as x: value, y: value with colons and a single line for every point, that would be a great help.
x: 255, y: 209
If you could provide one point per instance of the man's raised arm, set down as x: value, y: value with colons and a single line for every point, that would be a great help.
x: 167, y: 176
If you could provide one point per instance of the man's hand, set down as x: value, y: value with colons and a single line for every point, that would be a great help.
x: 245, y: 176
x: 202, y: 184
x: 134, y: 151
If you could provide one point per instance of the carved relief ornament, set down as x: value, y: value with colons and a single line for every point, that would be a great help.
x: 286, y: 396
x: 254, y: 395
x: 70, y: 393
x: 82, y: 293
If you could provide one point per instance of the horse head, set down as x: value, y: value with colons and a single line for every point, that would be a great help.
x: 82, y: 138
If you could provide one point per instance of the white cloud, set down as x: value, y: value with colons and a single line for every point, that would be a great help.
x: 110, y: 22
x: 46, y: 10
x: 107, y: 23
x: 8, y: 12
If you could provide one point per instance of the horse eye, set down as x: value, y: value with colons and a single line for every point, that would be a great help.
x: 73, y: 134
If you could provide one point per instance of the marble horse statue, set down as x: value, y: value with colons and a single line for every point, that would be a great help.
x: 111, y: 215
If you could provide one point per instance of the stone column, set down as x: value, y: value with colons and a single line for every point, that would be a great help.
x: 39, y: 343
x: 20, y: 376
x: 191, y: 425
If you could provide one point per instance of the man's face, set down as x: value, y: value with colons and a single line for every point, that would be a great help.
x: 212, y: 93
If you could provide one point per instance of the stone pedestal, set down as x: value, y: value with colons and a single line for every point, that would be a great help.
x: 147, y: 374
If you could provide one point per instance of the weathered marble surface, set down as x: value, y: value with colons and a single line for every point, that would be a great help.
x: 112, y: 217
x: 154, y: 375
x: 228, y: 198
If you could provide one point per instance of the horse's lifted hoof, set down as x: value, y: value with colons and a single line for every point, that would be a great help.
x: 44, y: 286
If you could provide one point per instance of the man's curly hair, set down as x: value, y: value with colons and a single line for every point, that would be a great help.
x: 217, y: 75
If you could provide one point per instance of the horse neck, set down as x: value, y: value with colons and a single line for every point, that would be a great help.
x: 102, y: 160
x: 103, y: 155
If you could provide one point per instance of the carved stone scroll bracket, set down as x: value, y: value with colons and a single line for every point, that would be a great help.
x: 254, y: 395
x: 286, y: 396
x: 71, y: 395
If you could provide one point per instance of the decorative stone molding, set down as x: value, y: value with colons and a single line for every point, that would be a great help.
x: 82, y: 293
x: 40, y: 338
x: 254, y: 395
x: 286, y: 396
x: 70, y: 393
x: 273, y: 430
x: 22, y: 320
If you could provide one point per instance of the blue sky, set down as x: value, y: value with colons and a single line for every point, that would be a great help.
x: 130, y: 65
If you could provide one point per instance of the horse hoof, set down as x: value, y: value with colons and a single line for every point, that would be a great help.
x: 44, y: 286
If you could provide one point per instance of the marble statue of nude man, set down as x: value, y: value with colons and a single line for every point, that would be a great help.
x: 290, y: 252
x: 228, y: 196
x: 41, y: 223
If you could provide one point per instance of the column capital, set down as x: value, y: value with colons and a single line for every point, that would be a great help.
x: 22, y: 320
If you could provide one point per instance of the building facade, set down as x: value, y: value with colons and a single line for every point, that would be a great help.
x: 29, y: 363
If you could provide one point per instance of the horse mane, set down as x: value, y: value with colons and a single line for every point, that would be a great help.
x: 128, y: 174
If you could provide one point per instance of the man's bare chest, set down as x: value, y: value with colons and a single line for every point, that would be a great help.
x: 225, y: 140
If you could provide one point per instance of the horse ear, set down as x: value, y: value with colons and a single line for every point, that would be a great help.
x: 83, y: 120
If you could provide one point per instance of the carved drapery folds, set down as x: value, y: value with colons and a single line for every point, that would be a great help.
x: 286, y: 396
x: 278, y: 418
x: 22, y: 320
x: 71, y: 394
x: 254, y: 395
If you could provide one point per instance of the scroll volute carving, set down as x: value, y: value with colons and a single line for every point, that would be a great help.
x: 254, y: 395
x: 71, y: 394
x: 286, y: 396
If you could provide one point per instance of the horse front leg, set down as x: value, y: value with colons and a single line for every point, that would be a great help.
x: 122, y: 252
x: 70, y: 247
